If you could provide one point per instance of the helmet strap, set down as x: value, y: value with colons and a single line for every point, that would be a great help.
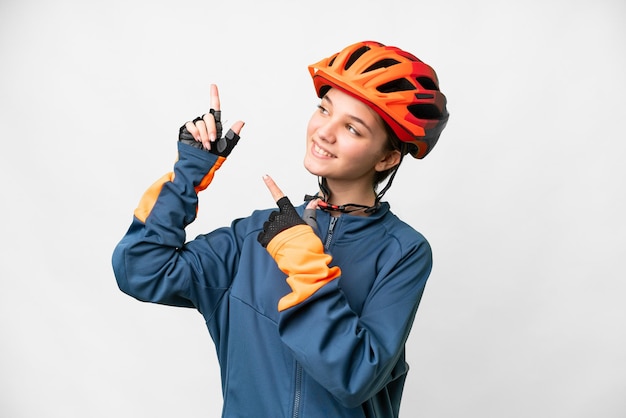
x: 404, y: 148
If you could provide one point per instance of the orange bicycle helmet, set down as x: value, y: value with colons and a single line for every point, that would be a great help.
x: 402, y: 89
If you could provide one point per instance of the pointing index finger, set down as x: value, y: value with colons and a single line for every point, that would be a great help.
x: 215, y: 97
x: 277, y: 194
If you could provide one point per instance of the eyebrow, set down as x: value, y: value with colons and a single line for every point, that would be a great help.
x: 356, y: 119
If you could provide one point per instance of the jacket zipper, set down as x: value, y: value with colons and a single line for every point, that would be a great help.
x: 331, y: 227
x: 297, y: 398
x: 298, y: 395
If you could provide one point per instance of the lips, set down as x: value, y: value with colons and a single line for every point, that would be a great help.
x: 322, y: 152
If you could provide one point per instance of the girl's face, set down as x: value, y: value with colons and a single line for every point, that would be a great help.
x: 346, y: 140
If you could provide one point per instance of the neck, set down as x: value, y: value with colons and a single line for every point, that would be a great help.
x: 340, y: 193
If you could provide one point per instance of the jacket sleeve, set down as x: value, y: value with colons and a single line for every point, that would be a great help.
x: 153, y: 263
x: 306, y: 264
x: 354, y: 356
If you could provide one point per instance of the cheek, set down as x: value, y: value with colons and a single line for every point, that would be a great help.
x: 313, y: 125
x: 365, y: 151
x: 309, y: 129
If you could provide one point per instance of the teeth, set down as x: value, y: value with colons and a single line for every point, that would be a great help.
x: 321, y: 151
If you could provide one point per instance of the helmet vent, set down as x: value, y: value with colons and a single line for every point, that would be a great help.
x: 424, y: 111
x: 387, y: 62
x: 400, y: 84
x: 427, y: 83
x: 355, y: 56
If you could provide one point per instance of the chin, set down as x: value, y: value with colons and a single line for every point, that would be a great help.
x: 311, y: 167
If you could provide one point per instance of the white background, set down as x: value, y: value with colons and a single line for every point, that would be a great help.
x: 523, y: 199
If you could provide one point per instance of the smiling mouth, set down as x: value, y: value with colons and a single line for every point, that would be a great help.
x: 321, y: 151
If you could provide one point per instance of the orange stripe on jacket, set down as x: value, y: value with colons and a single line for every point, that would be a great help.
x: 299, y: 253
x: 208, y: 178
x: 149, y: 198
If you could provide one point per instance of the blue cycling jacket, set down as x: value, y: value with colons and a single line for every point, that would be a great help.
x: 338, y: 353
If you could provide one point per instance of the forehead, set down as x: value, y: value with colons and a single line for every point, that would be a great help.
x: 352, y: 107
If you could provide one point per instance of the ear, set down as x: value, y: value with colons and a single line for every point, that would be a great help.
x: 389, y: 160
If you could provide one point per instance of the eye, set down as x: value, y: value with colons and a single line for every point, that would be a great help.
x: 322, y: 109
x: 353, y: 130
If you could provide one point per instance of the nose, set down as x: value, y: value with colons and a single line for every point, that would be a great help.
x: 326, y: 132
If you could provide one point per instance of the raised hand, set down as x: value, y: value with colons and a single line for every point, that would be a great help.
x: 205, y: 132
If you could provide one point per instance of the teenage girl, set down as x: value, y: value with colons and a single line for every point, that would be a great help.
x: 309, y: 307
